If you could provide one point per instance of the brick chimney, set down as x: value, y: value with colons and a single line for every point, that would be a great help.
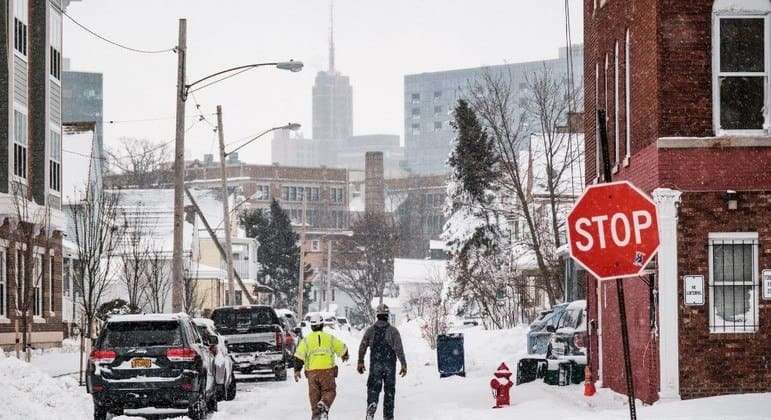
x: 373, y: 183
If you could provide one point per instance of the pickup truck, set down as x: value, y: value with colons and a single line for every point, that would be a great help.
x: 254, y: 337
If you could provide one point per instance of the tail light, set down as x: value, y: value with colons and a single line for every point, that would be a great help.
x: 279, y: 340
x: 213, y: 349
x: 102, y: 356
x: 186, y: 387
x: 97, y: 388
x: 182, y: 354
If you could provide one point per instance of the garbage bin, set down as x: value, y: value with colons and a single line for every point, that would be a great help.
x: 449, y: 355
x: 530, y: 369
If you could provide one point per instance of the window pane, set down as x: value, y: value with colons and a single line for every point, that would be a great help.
x: 733, y: 262
x: 741, y: 45
x: 741, y: 103
x: 734, y: 304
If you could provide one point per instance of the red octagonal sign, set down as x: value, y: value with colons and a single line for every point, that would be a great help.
x: 613, y: 230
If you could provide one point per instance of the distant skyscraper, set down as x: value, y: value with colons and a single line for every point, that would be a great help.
x: 332, y: 99
x: 430, y: 98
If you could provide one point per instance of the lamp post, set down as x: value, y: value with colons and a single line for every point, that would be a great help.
x: 225, y: 195
x: 182, y: 91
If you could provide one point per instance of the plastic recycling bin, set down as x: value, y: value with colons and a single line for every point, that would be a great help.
x: 450, y: 356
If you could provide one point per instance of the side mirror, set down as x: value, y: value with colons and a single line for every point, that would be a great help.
x: 297, y: 330
x: 551, y: 328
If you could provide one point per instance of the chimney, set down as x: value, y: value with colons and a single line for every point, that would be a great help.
x: 374, y: 185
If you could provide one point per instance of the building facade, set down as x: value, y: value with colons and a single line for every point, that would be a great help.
x: 31, y: 170
x: 82, y: 98
x: 684, y: 85
x: 430, y: 98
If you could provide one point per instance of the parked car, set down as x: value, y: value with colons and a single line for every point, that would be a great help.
x: 540, y: 333
x: 291, y: 337
x: 343, y: 323
x: 569, y: 336
x: 224, y: 374
x: 254, y: 337
x: 158, y: 361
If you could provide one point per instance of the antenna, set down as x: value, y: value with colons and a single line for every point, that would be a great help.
x: 331, y: 36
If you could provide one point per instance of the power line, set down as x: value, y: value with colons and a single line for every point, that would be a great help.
x: 223, y: 78
x: 138, y: 120
x: 105, y: 39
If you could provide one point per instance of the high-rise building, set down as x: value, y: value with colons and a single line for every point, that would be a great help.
x: 332, y: 99
x: 430, y: 98
x: 31, y: 166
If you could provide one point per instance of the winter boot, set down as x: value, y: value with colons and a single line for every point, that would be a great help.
x: 323, y: 410
x: 371, y: 409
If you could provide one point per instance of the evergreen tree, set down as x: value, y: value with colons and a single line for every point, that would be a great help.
x: 473, y: 159
x: 278, y: 252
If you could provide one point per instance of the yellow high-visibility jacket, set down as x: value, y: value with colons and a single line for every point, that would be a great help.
x: 318, y: 350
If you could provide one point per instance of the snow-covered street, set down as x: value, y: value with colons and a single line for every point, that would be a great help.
x: 32, y: 394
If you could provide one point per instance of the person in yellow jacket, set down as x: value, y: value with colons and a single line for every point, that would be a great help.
x: 317, y: 353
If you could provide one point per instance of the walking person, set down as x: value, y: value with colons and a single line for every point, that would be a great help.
x: 317, y: 353
x: 385, y: 346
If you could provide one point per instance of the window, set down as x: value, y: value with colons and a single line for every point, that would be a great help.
x: 616, y: 132
x: 438, y: 111
x: 37, y: 287
x: 415, y: 129
x: 415, y: 112
x: 293, y: 194
x: 262, y: 193
x: 56, y: 45
x: 437, y: 94
x: 51, y: 270
x: 66, y: 277
x: 20, y: 145
x: 740, y: 70
x: 315, y: 245
x: 20, y: 21
x: 20, y: 283
x: 55, y: 162
x: 239, y: 297
x: 315, y: 196
x: 337, y: 194
x: 437, y: 126
x: 733, y: 282
x: 3, y: 286
x: 415, y: 97
x: 628, y: 94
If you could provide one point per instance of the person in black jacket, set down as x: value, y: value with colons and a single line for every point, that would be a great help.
x: 385, y: 346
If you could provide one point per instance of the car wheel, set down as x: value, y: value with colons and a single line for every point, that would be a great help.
x: 100, y: 413
x: 230, y: 392
x: 197, y: 410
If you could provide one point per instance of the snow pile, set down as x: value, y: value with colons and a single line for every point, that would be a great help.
x: 29, y: 393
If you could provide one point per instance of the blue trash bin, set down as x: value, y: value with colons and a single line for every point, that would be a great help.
x: 450, y: 356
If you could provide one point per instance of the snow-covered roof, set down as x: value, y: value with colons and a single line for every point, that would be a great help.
x: 419, y: 271
x: 148, y: 317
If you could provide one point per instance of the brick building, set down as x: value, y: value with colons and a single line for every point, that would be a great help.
x: 685, y: 84
x: 31, y: 170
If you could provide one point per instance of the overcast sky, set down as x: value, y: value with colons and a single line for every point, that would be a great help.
x: 377, y: 43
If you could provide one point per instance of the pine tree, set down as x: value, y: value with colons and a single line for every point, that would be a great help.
x: 278, y: 252
x: 473, y: 160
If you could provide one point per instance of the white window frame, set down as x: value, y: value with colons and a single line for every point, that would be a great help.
x: 627, y: 97
x: 53, y: 159
x: 25, y: 117
x: 51, y: 260
x: 717, y: 237
x: 55, y: 42
x: 315, y: 245
x: 616, y: 108
x: 37, y: 287
x: 725, y: 9
x: 21, y: 12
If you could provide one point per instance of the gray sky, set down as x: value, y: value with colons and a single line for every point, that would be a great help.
x: 377, y: 43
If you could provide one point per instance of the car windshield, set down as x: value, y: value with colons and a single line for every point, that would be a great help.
x: 244, y: 318
x: 142, y: 334
x: 342, y: 321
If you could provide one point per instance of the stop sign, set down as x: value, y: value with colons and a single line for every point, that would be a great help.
x: 613, y: 230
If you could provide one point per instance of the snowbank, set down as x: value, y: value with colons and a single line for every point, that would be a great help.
x: 29, y: 393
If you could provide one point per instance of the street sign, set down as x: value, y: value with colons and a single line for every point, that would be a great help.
x: 693, y: 290
x: 613, y: 230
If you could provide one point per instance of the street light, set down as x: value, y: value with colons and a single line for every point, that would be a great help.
x: 183, y: 90
x: 224, y: 184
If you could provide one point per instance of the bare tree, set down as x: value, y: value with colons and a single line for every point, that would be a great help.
x: 194, y: 297
x: 135, y: 251
x: 364, y: 266
x: 158, y: 284
x: 97, y: 234
x: 141, y: 162
x: 33, y: 231
x: 493, y: 98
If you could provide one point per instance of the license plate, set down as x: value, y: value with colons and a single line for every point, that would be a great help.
x: 139, y: 363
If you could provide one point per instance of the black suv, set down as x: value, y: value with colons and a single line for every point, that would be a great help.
x: 156, y: 360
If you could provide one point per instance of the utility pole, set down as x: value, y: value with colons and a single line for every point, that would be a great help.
x: 301, y: 277
x: 177, y: 286
x: 226, y: 209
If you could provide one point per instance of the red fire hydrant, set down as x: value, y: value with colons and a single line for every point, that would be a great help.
x: 501, y: 385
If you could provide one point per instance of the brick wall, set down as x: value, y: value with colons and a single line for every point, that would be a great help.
x: 716, y: 168
x: 714, y: 364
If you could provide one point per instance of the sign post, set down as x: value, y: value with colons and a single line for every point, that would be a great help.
x: 613, y: 232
